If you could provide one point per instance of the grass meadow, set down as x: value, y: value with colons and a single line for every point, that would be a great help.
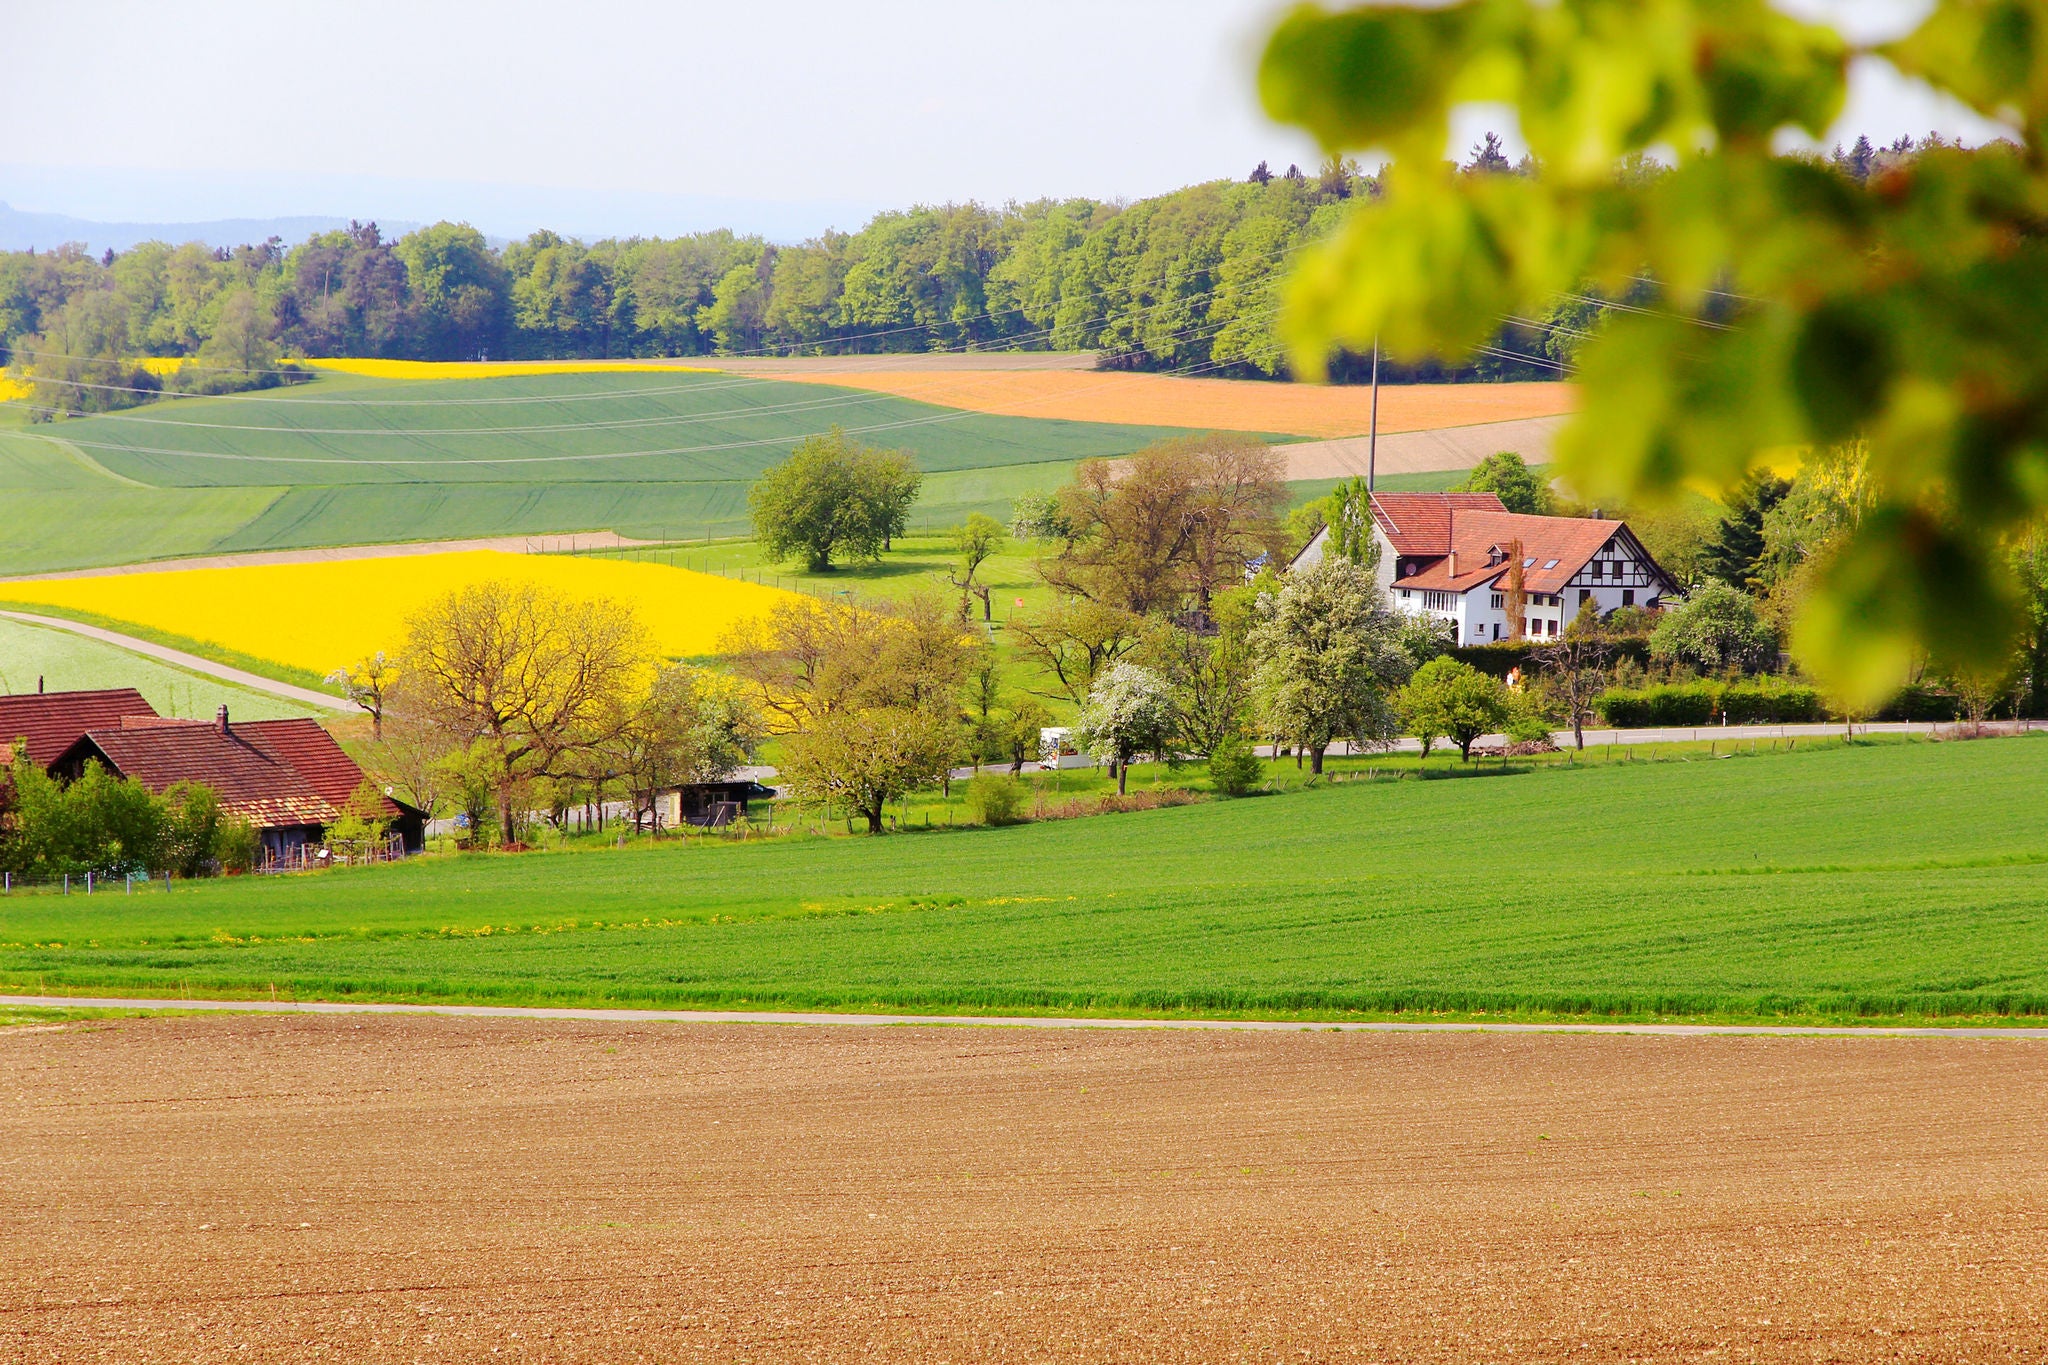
x: 1834, y: 882
x: 655, y: 453
x: 65, y: 662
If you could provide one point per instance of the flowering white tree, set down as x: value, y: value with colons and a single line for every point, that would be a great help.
x: 1129, y: 711
x: 1329, y: 653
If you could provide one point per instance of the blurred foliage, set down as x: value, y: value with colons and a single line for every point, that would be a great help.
x: 1792, y: 303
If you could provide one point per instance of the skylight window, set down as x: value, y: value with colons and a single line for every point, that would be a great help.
x: 1549, y: 563
x: 1528, y: 563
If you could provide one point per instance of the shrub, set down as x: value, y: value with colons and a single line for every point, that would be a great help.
x: 996, y: 799
x: 1921, y: 702
x: 1770, y: 702
x: 235, y: 844
x: 1526, y: 723
x: 1673, y: 704
x: 1234, y: 768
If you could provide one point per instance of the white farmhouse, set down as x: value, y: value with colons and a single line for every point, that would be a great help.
x: 1452, y: 555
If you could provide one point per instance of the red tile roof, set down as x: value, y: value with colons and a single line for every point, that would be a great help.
x: 313, y: 753
x: 1560, y: 547
x: 249, y: 780
x: 51, y: 722
x: 1420, y: 523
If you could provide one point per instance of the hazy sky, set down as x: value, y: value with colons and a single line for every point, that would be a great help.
x: 619, y: 116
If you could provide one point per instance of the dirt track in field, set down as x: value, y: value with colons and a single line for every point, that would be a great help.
x: 437, y: 1189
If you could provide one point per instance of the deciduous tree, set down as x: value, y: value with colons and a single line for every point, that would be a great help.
x: 974, y: 541
x: 532, y: 675
x: 1129, y: 711
x: 1454, y: 700
x: 1330, y: 653
x: 1508, y: 477
x: 1576, y: 664
x: 1717, y: 627
x: 1175, y: 522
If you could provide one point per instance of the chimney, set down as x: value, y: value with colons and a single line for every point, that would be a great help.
x: 39, y: 684
x: 1453, y: 565
x: 221, y: 721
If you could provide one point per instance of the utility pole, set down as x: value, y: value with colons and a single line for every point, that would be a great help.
x: 1372, y: 440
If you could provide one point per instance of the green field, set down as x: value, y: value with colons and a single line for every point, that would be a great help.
x: 66, y: 662
x: 353, y: 460
x: 1835, y: 883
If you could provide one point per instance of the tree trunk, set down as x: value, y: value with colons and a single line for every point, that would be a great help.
x: 987, y: 608
x: 1579, y: 730
x: 874, y: 814
x: 1315, y: 760
x: 505, y: 820
x: 1123, y: 773
x: 1465, y: 748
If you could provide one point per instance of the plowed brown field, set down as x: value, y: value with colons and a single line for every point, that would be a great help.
x: 1210, y: 404
x: 265, y: 1189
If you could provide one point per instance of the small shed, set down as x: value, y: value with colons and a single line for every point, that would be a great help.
x: 710, y: 804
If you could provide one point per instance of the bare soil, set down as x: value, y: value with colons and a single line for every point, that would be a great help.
x: 254, y: 1189
x: 1316, y: 410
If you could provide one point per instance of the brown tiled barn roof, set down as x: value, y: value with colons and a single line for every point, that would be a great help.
x: 1420, y: 523
x: 51, y: 722
x: 313, y: 753
x: 1560, y: 547
x: 249, y: 780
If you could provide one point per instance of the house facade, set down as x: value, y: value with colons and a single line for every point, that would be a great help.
x: 1455, y: 556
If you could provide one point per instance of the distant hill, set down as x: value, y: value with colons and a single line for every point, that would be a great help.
x: 21, y: 230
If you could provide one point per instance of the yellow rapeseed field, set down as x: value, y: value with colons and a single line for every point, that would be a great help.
x: 15, y: 390
x: 322, y: 615
x: 493, y: 369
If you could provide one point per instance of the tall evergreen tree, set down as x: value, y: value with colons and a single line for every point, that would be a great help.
x: 1736, y: 551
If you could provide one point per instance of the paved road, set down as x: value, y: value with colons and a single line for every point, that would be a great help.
x: 990, y: 1021
x: 190, y: 662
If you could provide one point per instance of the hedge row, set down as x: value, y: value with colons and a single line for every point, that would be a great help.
x: 1758, y: 701
x: 1764, y: 701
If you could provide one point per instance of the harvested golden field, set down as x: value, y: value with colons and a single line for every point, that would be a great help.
x: 322, y: 614
x: 379, y: 1189
x: 1209, y: 404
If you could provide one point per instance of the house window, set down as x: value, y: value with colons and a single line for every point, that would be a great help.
x: 1404, y: 594
x: 1628, y: 597
x: 1550, y: 627
x: 1497, y: 602
x: 1585, y: 595
x: 1549, y: 563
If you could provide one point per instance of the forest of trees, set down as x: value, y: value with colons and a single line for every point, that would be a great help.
x: 1188, y: 279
